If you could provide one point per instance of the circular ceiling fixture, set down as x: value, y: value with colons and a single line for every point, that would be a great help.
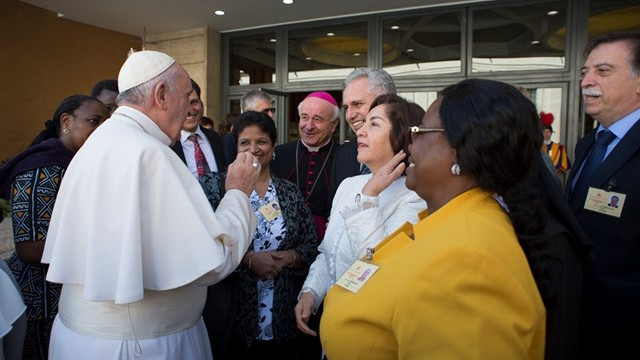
x: 342, y: 50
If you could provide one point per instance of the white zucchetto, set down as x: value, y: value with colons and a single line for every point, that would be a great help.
x: 141, y: 67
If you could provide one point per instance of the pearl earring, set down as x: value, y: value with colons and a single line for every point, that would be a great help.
x: 455, y: 169
x: 66, y: 131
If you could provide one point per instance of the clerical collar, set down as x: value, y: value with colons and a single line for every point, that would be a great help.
x: 547, y: 142
x: 314, y: 148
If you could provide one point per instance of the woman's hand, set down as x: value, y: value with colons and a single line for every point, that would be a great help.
x: 386, y: 175
x: 303, y: 312
x: 269, y: 264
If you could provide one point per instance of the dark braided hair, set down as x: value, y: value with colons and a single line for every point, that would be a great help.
x: 495, y: 131
x: 67, y: 106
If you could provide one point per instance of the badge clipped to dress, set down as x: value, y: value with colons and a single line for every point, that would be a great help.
x: 605, y: 202
x: 270, y: 211
x: 358, y: 273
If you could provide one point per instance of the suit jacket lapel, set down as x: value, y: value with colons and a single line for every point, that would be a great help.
x: 627, y: 146
x: 582, y: 150
x: 177, y: 147
x: 216, y: 146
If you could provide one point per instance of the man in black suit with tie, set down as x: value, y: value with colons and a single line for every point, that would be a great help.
x: 608, y: 164
x: 359, y: 90
x: 209, y: 142
x: 197, y: 141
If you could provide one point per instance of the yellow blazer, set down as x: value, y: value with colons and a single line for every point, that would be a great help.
x: 461, y: 290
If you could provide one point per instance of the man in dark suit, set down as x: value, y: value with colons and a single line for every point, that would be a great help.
x: 253, y: 100
x: 208, y: 141
x: 359, y: 90
x: 219, y: 295
x: 611, y: 92
x: 106, y: 91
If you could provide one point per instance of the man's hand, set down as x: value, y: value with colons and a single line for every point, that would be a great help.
x: 242, y: 174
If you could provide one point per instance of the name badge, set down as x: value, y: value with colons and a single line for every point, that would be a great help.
x: 605, y: 202
x: 270, y: 211
x: 357, y: 275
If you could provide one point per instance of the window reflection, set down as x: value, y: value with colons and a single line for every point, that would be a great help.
x: 252, y: 59
x: 422, y: 98
x: 549, y: 100
x: 327, y: 52
x: 422, y: 45
x: 519, y: 38
x: 613, y: 15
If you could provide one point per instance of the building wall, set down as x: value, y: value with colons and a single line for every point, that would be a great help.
x: 44, y: 59
x: 198, y: 51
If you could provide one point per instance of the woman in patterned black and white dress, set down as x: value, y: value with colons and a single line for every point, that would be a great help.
x: 257, y: 300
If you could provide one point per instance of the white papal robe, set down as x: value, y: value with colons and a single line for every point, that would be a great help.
x: 135, y: 242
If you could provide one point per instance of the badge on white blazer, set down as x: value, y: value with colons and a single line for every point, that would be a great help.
x: 605, y: 202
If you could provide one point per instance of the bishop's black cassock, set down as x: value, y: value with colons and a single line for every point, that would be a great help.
x: 310, y: 171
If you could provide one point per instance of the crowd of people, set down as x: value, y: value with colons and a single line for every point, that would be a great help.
x: 141, y: 232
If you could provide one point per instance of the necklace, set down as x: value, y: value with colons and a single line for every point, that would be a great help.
x: 320, y: 172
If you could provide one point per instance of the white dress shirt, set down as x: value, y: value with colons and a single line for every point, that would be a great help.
x: 189, y: 151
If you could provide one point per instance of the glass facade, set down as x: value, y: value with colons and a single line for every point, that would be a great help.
x: 327, y: 52
x: 252, y: 59
x: 536, y: 45
x: 423, y: 45
x: 525, y: 37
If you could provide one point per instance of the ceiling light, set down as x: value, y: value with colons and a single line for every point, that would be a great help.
x: 356, y: 54
x: 60, y: 15
x: 552, y: 12
x: 272, y: 40
x: 330, y: 34
x: 395, y: 27
x: 219, y: 12
x: 535, y: 42
x: 410, y: 50
x: 287, y: 2
x: 307, y: 58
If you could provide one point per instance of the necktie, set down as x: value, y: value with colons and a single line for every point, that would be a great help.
x: 364, y: 169
x: 201, y: 162
x: 592, y: 162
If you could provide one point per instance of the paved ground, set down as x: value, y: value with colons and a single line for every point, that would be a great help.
x: 6, y: 238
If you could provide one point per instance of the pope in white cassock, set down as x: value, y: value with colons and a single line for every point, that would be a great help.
x: 133, y: 238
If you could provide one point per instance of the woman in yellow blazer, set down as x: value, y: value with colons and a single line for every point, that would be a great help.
x: 456, y: 285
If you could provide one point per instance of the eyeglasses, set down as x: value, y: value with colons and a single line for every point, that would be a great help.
x: 415, y: 130
x: 266, y: 111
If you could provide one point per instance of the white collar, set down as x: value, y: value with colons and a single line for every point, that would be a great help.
x: 146, y: 123
x: 314, y: 148
x: 184, y: 135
